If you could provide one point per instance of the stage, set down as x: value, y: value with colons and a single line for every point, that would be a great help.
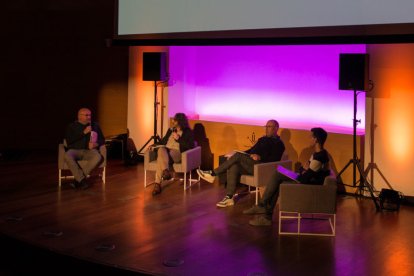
x: 120, y: 227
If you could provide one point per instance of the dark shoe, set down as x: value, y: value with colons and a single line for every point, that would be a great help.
x: 256, y: 209
x: 75, y: 184
x: 166, y: 175
x: 157, y: 189
x: 83, y: 184
x: 260, y: 221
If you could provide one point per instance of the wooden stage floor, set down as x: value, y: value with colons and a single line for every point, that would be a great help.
x: 180, y: 233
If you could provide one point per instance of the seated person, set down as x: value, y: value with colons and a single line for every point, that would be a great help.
x: 83, y: 139
x: 268, y: 148
x: 313, y: 172
x: 179, y: 138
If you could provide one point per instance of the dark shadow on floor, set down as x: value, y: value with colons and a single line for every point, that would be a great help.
x: 19, y: 258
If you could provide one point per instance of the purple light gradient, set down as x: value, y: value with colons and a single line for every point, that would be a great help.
x: 296, y: 85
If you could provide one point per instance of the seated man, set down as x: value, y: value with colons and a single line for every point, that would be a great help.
x: 313, y: 172
x: 268, y: 148
x: 179, y: 138
x: 83, y: 138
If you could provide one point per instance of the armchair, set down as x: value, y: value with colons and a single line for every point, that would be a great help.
x: 63, y: 166
x: 298, y: 199
x: 190, y: 160
x: 261, y: 175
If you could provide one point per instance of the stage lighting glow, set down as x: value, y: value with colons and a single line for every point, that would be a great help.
x: 296, y: 85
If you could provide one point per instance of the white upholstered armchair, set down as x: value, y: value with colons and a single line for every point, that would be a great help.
x: 190, y: 160
x: 63, y: 166
x: 317, y: 200
x: 262, y: 172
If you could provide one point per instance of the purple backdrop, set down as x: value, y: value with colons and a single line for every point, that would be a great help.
x: 296, y: 85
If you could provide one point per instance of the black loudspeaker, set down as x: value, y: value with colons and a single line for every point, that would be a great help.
x: 154, y: 66
x: 354, y: 72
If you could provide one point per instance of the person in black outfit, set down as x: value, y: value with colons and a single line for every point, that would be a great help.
x: 178, y: 138
x: 268, y: 148
x: 313, y: 173
x: 83, y: 139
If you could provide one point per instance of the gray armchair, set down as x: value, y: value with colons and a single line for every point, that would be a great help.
x: 63, y: 166
x: 261, y: 174
x: 190, y: 160
x: 318, y: 200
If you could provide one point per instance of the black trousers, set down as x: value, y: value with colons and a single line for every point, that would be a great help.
x: 235, y: 166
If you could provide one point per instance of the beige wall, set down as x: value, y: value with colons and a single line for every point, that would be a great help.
x: 140, y: 119
x: 112, y: 112
x: 224, y: 137
x: 392, y: 70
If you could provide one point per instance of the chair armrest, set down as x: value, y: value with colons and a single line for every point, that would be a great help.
x: 330, y: 180
x: 262, y: 172
x: 102, y: 150
x: 191, y: 159
x: 61, y: 156
x: 149, y: 156
x: 304, y: 198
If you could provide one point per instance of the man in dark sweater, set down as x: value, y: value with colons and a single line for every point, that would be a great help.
x: 268, y: 148
x: 83, y: 139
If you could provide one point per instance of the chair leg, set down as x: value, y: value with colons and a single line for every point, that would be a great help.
x: 257, y: 195
x: 333, y: 225
x: 104, y: 175
x: 280, y: 221
x: 185, y: 181
x: 60, y: 178
x: 145, y: 178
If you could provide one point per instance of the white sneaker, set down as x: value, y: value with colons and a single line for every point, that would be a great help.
x: 227, y: 201
x: 206, y: 175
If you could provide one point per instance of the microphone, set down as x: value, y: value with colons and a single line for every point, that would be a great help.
x: 173, y: 129
x: 91, y: 134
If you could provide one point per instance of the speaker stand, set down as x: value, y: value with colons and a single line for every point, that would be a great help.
x: 356, y: 162
x: 155, y: 136
x: 372, y: 165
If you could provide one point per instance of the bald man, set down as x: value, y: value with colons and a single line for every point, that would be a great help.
x: 83, y: 139
x: 268, y: 148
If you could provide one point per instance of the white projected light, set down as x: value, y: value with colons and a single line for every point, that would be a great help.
x: 137, y: 17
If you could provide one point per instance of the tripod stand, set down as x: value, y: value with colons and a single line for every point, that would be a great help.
x: 155, y: 136
x: 356, y: 162
x: 372, y: 165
